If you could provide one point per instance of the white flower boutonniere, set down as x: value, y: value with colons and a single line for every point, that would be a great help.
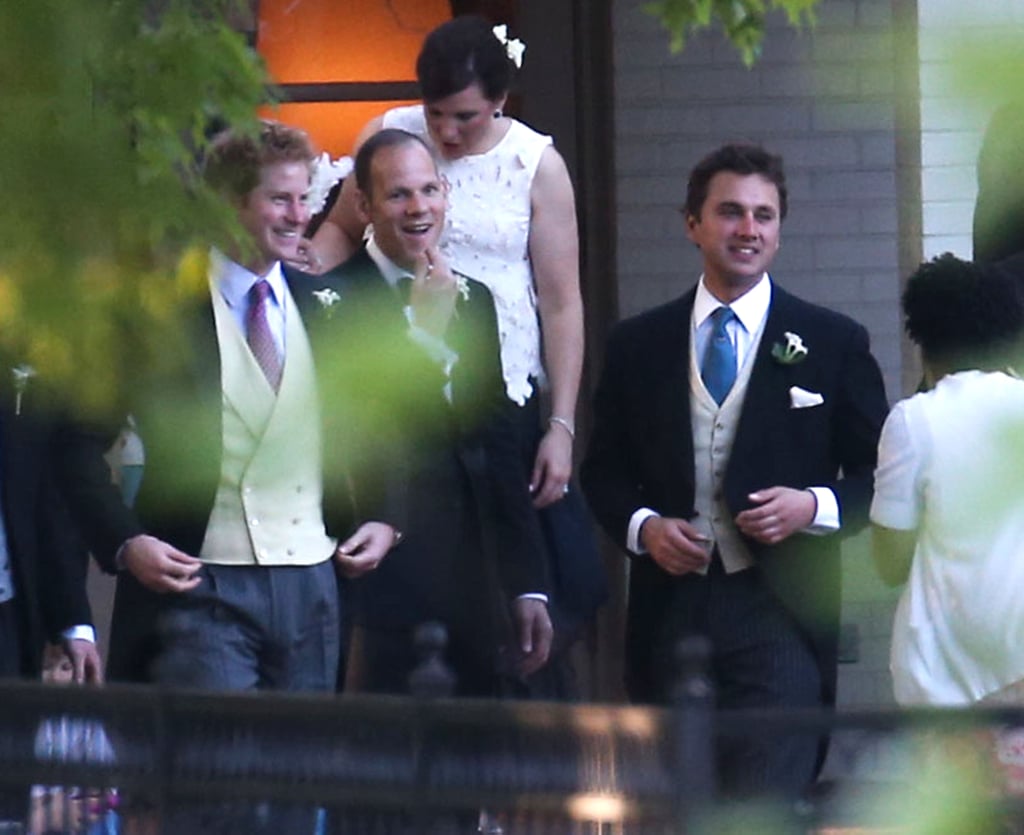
x: 514, y: 48
x: 327, y: 298
x: 22, y: 374
x: 790, y: 353
x: 325, y: 174
x: 462, y: 285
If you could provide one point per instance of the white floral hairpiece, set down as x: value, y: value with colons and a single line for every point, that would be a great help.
x: 514, y: 48
x: 325, y: 174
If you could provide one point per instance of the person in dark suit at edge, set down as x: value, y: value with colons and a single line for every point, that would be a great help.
x: 734, y: 443
x: 43, y: 562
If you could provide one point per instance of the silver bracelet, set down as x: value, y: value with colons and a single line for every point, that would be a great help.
x: 564, y: 424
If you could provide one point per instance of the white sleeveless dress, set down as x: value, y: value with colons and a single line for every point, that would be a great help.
x: 487, y: 235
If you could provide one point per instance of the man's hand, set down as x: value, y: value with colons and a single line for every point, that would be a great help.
x: 675, y: 544
x: 85, y: 659
x: 363, y: 551
x: 433, y: 293
x: 533, y: 632
x: 552, y: 467
x: 780, y: 513
x: 160, y: 567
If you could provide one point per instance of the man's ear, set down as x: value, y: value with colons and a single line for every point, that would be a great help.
x: 691, y: 222
x: 363, y: 206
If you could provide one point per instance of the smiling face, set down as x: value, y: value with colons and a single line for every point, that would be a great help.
x: 406, y: 203
x: 275, y: 215
x: 463, y: 123
x: 737, y: 231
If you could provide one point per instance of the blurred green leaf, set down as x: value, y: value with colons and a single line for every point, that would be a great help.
x: 742, y: 21
x: 108, y: 105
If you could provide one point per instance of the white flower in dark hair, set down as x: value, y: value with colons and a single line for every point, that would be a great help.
x: 514, y: 48
x: 325, y: 174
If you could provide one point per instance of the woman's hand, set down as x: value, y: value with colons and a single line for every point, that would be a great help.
x: 552, y: 467
x: 307, y: 260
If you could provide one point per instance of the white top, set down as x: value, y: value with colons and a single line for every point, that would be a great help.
x: 949, y: 468
x: 487, y: 235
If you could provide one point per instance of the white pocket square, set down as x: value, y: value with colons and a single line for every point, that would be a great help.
x: 803, y: 399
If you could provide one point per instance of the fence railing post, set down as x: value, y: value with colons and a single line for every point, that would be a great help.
x: 693, y: 700
x: 431, y: 678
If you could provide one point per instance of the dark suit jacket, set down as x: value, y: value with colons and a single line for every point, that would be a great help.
x: 641, y: 454
x: 176, y: 401
x: 48, y: 560
x: 467, y: 508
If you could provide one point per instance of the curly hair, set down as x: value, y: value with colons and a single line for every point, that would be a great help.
x: 964, y: 315
x: 235, y: 159
x: 460, y: 52
x: 737, y: 158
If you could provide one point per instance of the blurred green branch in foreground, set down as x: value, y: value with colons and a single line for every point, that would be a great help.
x: 107, y: 106
x: 742, y: 21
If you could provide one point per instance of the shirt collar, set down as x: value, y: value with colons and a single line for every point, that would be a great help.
x: 389, y: 269
x: 234, y: 281
x: 751, y: 308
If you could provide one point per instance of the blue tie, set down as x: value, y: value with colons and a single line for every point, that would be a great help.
x: 718, y: 371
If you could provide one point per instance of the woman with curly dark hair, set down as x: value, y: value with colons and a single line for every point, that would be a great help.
x: 947, y: 510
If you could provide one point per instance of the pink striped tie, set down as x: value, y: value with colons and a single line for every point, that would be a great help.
x: 258, y: 335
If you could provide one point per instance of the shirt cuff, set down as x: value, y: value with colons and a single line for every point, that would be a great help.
x: 82, y: 632
x: 119, y: 563
x: 534, y: 595
x: 636, y: 522
x: 826, y: 517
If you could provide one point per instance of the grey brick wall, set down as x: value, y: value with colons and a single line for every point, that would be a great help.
x: 823, y: 99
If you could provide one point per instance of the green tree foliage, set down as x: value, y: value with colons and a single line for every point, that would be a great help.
x: 742, y: 21
x: 106, y: 105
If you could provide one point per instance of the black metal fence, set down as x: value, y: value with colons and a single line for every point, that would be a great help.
x: 191, y: 763
x: 381, y: 765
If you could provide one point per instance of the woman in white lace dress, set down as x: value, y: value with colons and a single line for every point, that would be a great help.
x: 511, y: 224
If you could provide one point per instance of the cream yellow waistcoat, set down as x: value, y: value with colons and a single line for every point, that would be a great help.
x: 267, y: 510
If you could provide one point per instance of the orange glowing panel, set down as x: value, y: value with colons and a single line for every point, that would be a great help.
x: 333, y: 126
x: 306, y: 41
x: 313, y: 41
